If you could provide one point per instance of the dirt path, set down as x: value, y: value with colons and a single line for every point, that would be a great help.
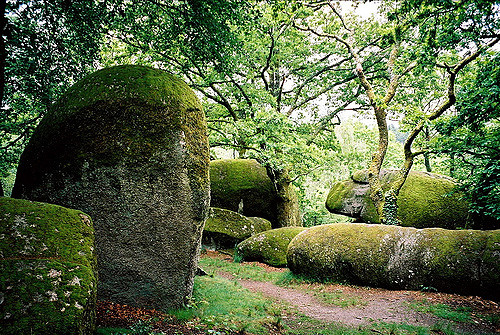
x: 379, y: 305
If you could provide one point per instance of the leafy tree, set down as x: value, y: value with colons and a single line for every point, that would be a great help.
x: 421, y: 39
x: 472, y: 136
x: 45, y: 46
x: 262, y: 100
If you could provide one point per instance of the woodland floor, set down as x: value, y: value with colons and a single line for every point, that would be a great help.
x: 379, y: 305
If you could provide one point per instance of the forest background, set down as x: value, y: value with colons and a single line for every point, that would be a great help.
x: 310, y: 89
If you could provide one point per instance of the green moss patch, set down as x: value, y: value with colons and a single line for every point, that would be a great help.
x: 268, y: 247
x: 425, y: 200
x: 128, y: 145
x: 225, y: 228
x: 459, y: 261
x: 243, y: 186
x: 47, y: 269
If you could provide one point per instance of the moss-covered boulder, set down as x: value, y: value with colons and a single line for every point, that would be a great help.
x: 48, y: 280
x: 459, y: 261
x: 128, y: 145
x: 268, y: 247
x: 243, y: 186
x: 425, y: 200
x: 224, y: 228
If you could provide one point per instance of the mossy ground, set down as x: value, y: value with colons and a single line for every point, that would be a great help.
x: 268, y: 247
x: 47, y: 269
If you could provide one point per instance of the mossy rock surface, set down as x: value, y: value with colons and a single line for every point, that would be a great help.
x: 457, y: 261
x: 129, y: 146
x: 48, y: 279
x: 224, y: 228
x: 243, y: 186
x: 425, y: 200
x: 268, y: 247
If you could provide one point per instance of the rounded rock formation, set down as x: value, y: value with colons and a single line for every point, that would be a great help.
x: 224, y: 228
x: 425, y: 200
x: 457, y: 261
x: 268, y: 247
x: 128, y: 145
x: 243, y: 186
x: 48, y: 280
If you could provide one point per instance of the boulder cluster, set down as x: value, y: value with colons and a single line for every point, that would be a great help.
x: 128, y: 146
x: 125, y: 151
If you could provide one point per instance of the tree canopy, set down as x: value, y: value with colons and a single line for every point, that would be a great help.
x: 275, y: 78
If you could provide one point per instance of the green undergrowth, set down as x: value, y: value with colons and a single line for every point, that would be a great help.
x: 458, y: 314
x: 113, y: 331
x: 307, y: 326
x: 219, y: 303
x: 285, y: 279
x: 239, y: 270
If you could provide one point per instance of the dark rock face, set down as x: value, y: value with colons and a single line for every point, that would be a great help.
x: 128, y: 145
x: 425, y: 200
x: 243, y: 186
x: 48, y: 278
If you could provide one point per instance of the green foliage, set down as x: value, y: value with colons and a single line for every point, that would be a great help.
x: 472, y: 139
x: 48, y: 45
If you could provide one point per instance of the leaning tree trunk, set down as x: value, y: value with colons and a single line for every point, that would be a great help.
x: 385, y: 201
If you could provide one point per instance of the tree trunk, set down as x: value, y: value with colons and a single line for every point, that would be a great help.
x: 288, y: 212
x: 427, y: 162
x: 376, y: 191
x: 3, y: 59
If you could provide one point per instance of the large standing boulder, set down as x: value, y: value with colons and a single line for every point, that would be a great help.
x: 268, y: 247
x: 243, y: 186
x: 425, y: 200
x: 457, y: 261
x: 128, y: 145
x: 48, y: 281
x: 224, y: 228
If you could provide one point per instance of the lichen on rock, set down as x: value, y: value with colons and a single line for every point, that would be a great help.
x: 268, y: 247
x: 43, y: 248
x: 425, y: 200
x: 457, y: 261
x: 225, y: 228
x: 129, y: 146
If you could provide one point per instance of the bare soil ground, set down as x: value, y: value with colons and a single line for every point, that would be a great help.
x: 380, y: 305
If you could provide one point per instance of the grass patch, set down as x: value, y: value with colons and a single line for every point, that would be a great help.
x: 285, y: 279
x: 225, y: 305
x: 337, y: 297
x: 458, y: 314
x: 308, y: 326
x: 112, y: 331
x: 239, y: 270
